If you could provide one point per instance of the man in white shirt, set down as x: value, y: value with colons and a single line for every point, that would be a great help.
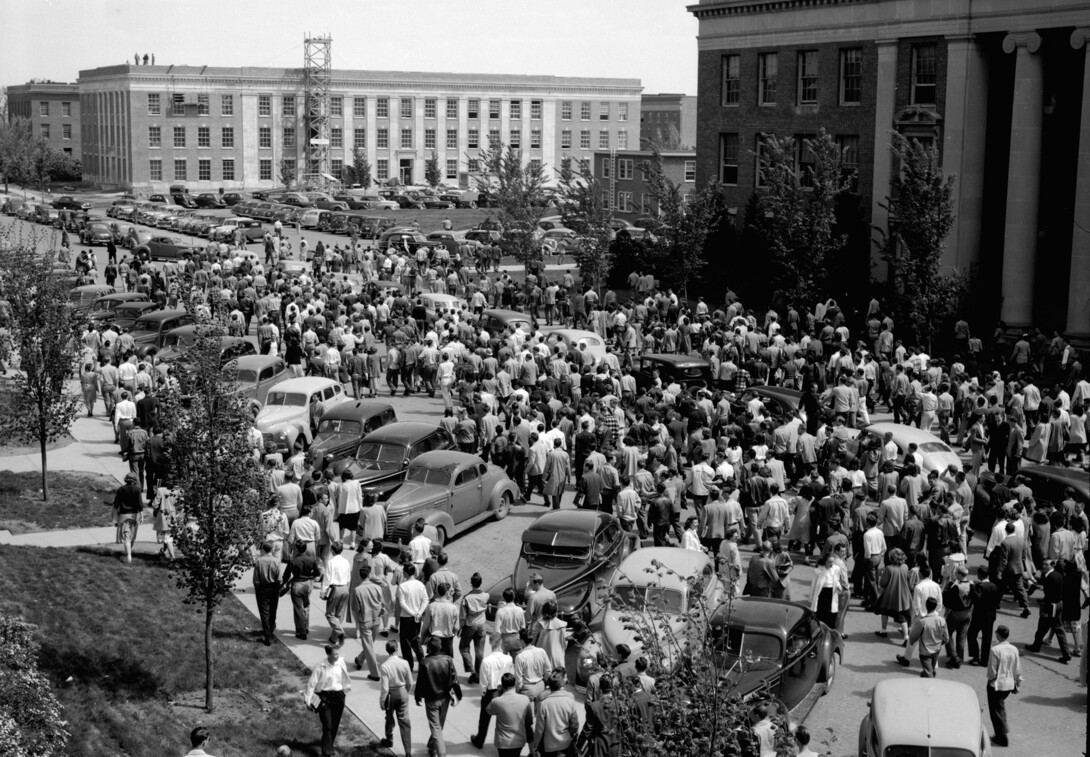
x: 397, y: 680
x: 335, y: 586
x: 775, y: 516
x: 124, y: 415
x: 1004, y: 678
x: 493, y: 667
x: 412, y: 600
x: 510, y: 620
x: 199, y: 738
x: 874, y: 547
x: 419, y: 547
x: 325, y: 693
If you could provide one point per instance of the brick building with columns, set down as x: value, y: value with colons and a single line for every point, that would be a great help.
x: 1001, y: 87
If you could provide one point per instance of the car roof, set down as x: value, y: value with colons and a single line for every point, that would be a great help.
x: 357, y: 409
x: 909, y: 434
x: 568, y: 528
x: 402, y: 431
x: 575, y: 335
x: 104, y: 288
x: 256, y: 362
x: 124, y: 297
x: 942, y: 713
x: 777, y: 616
x: 679, y: 360
x: 683, y: 563
x: 161, y: 315
x: 187, y: 329
x: 442, y: 458
x: 508, y: 315
x: 784, y: 392
x: 306, y: 384
x: 1073, y: 477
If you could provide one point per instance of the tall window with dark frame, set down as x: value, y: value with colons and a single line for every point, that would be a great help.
x: 406, y: 107
x: 516, y: 109
x: 359, y: 107
x: 204, y: 136
x: 202, y: 108
x: 227, y: 105
x: 768, y: 65
x: 227, y: 137
x: 924, y: 66
x: 494, y: 109
x: 851, y: 76
x: 177, y: 105
x: 359, y: 138
x: 728, y: 158
x: 732, y: 79
x: 287, y: 106
x: 808, y: 77
x: 228, y: 169
x: 382, y: 107
x: 153, y: 104
x: 264, y: 105
x: 179, y: 136
x: 429, y: 107
x: 336, y: 137
x: 452, y: 139
x: 473, y: 109
x: 336, y: 106
x: 452, y: 108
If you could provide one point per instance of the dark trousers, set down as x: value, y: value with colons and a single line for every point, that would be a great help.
x: 1049, y: 620
x: 981, y: 624
x: 268, y: 597
x: 409, y: 635
x: 957, y: 623
x: 997, y: 711
x: 1016, y: 587
x: 484, y: 718
x: 472, y: 637
x: 329, y: 711
x: 661, y: 532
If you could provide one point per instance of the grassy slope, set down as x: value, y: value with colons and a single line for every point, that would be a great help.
x: 75, y: 501
x: 120, y: 645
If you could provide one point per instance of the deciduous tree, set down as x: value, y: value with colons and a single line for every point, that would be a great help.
x: 921, y: 211
x: 16, y: 140
x: 31, y: 719
x: 584, y: 210
x: 287, y: 173
x: 360, y: 168
x: 517, y: 189
x: 432, y: 174
x: 45, y: 332
x: 218, y: 480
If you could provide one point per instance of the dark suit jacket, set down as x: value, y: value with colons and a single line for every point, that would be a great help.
x: 761, y: 575
x: 1010, y: 556
x: 1053, y: 586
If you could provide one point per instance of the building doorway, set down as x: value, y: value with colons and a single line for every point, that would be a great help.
x: 405, y: 171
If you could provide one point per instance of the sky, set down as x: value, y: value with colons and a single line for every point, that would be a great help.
x: 650, y: 40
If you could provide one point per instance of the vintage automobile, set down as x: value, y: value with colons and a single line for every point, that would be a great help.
x: 125, y: 314
x: 292, y: 409
x: 161, y: 248
x: 83, y: 297
x: 451, y: 491
x: 436, y: 303
x: 771, y: 647
x: 384, y: 455
x: 256, y: 375
x: 913, y: 717
x: 66, y: 202
x: 659, y: 588
x: 179, y: 341
x: 150, y: 330
x: 577, y: 339
x: 342, y: 428
x: 1050, y: 486
x: 209, y: 200
x: 780, y: 402
x: 937, y: 455
x: 689, y: 372
x: 251, y: 230
x: 497, y: 321
x: 102, y: 309
x: 134, y: 238
x: 96, y: 232
x: 573, y: 550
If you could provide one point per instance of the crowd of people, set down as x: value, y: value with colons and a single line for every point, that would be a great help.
x: 711, y: 468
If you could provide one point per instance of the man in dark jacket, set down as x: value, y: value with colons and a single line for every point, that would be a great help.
x: 1049, y: 617
x: 761, y: 575
x: 986, y: 599
x: 436, y: 687
x: 1007, y: 567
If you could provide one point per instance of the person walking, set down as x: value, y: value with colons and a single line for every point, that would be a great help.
x: 557, y: 471
x: 556, y: 726
x: 303, y: 569
x: 931, y: 634
x: 397, y: 678
x: 825, y: 592
x: 494, y: 669
x: 267, y: 590
x: 986, y: 598
x: 412, y: 600
x: 472, y: 636
x: 895, y: 597
x: 1004, y: 678
x: 128, y: 508
x: 368, y: 603
x: 957, y: 598
x: 335, y: 585
x: 437, y: 688
x: 325, y: 694
x: 1049, y: 616
x: 514, y: 715
x: 440, y: 620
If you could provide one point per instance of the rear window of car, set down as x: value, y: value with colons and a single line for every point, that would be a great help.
x: 286, y: 398
x: 421, y: 474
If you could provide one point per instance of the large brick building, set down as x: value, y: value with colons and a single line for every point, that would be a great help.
x: 150, y: 126
x: 1001, y: 87
x: 53, y: 111
x: 621, y: 174
x: 668, y: 114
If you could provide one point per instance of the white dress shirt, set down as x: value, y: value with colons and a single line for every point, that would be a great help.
x: 493, y: 667
x: 338, y: 572
x: 328, y: 676
x: 412, y: 598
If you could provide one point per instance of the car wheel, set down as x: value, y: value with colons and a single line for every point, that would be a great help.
x: 830, y: 673
x: 504, y: 506
x: 440, y: 537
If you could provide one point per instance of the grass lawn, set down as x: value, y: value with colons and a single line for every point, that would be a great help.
x: 127, y: 659
x: 75, y: 501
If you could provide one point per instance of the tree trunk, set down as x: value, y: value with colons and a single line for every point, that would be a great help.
x: 208, y: 612
x: 45, y: 480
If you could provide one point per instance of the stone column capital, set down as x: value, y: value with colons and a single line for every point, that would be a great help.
x: 1080, y: 37
x: 1029, y: 40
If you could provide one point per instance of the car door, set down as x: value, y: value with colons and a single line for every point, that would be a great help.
x: 802, y: 662
x: 466, y: 495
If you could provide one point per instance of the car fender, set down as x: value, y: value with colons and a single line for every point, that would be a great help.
x: 498, y: 490
x: 436, y: 518
x: 830, y: 645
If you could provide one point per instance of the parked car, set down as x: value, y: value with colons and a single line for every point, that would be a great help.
x: 342, y: 429
x: 780, y: 402
x: 1050, y: 486
x: 251, y: 230
x: 574, y: 551
x: 907, y: 717
x: 689, y: 372
x: 451, y: 491
x: 103, y: 309
x: 771, y: 647
x: 134, y: 238
x: 47, y: 216
x: 12, y: 206
x: 380, y: 203
x: 209, y: 200
x: 121, y: 209
x: 458, y: 201
x: 83, y: 297
x: 179, y: 341
x: 256, y: 375
x: 399, y: 237
x: 657, y: 589
x: 324, y: 201
x: 436, y: 303
x: 98, y: 232
x: 67, y: 202
x: 483, y: 236
x: 150, y: 330
x: 352, y: 202
x: 232, y: 198
x: 372, y: 227
x: 161, y: 248
x: 383, y: 456
x: 125, y: 314
x: 292, y: 409
x: 936, y: 454
x: 577, y: 340
x: 498, y: 321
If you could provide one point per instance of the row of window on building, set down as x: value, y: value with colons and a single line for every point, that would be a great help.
x: 406, y: 107
x: 729, y: 145
x: 626, y: 170
x: 43, y: 109
x: 265, y: 169
x: 45, y: 132
x: 808, y: 80
x: 382, y: 138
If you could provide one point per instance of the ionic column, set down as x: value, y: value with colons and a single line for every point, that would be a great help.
x: 1078, y: 285
x: 964, y: 141
x: 885, y: 101
x: 1023, y: 180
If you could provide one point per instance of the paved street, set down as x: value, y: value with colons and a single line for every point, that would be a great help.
x: 1048, y: 716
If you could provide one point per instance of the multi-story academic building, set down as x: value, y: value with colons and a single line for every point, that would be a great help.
x: 1001, y: 87
x: 53, y: 111
x: 150, y: 126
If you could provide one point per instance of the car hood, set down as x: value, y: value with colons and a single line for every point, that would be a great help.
x: 411, y: 497
x: 744, y: 684
x: 333, y: 441
x: 279, y: 414
x: 369, y: 472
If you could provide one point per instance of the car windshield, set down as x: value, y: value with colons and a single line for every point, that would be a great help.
x: 757, y: 648
x: 378, y: 455
x: 925, y: 751
x: 934, y: 447
x: 649, y: 598
x: 339, y: 426
x: 286, y: 398
x: 421, y: 474
x: 539, y: 553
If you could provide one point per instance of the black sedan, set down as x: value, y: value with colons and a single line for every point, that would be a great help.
x: 780, y: 402
x: 689, y: 372
x: 344, y: 426
x: 771, y: 647
x: 384, y: 454
x: 574, y: 551
x: 210, y: 200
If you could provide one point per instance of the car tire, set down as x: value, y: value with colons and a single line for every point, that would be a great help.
x: 830, y: 673
x: 440, y: 537
x: 504, y: 506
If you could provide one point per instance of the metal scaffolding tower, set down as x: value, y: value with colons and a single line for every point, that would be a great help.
x: 317, y: 80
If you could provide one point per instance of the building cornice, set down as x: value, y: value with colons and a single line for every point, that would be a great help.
x: 749, y: 7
